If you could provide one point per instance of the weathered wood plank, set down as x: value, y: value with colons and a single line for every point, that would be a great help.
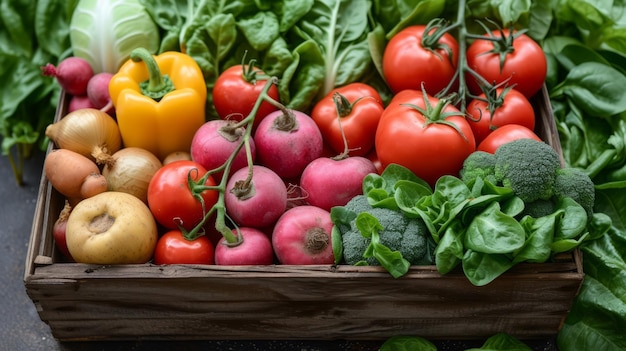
x: 286, y: 286
x: 56, y: 310
x: 287, y: 328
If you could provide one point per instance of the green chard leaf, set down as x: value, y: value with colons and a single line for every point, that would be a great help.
x: 339, y: 29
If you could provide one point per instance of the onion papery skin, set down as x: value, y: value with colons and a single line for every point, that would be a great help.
x: 131, y: 170
x: 89, y: 132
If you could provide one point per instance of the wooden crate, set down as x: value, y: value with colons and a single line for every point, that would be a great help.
x: 323, y: 302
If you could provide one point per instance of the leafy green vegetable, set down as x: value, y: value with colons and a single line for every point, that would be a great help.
x: 407, y: 343
x: 31, y: 35
x: 596, y: 321
x: 395, y: 15
x: 595, y: 88
x: 105, y: 32
x: 374, y: 235
x: 585, y: 43
x: 482, y: 268
x: 339, y: 29
x: 493, y: 231
x: 393, y: 261
x: 313, y: 46
x: 483, y: 229
x: 503, y: 342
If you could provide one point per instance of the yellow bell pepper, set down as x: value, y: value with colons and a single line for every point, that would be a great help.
x: 159, y: 101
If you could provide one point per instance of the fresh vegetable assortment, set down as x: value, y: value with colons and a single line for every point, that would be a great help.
x: 335, y: 95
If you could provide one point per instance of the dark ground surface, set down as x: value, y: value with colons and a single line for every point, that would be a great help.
x: 22, y: 329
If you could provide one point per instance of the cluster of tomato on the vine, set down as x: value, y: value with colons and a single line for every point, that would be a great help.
x: 451, y: 97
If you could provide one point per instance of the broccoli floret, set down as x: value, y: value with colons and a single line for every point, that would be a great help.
x: 539, y: 208
x: 358, y: 204
x: 407, y: 235
x: 576, y: 184
x: 528, y: 167
x: 478, y: 164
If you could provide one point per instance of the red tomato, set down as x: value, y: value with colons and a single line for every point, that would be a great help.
x: 372, y: 156
x: 503, y: 135
x: 525, y: 65
x: 236, y: 91
x: 409, y: 60
x: 171, y: 199
x: 353, y: 110
x: 431, y: 146
x: 174, y: 248
x: 509, y: 107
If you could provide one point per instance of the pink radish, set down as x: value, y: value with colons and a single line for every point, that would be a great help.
x: 72, y: 74
x: 58, y: 231
x: 328, y: 182
x: 256, y: 202
x: 255, y: 248
x: 215, y: 141
x: 302, y: 235
x: 78, y: 102
x: 295, y: 195
x: 98, y: 89
x: 286, y: 141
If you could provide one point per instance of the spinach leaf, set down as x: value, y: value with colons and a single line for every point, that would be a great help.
x: 494, y: 232
x: 573, y: 220
x: 539, y: 236
x: 502, y: 342
x: 440, y: 209
x: 596, y: 320
x: 482, y: 268
x: 450, y: 250
x: 596, y: 88
x: 395, y: 188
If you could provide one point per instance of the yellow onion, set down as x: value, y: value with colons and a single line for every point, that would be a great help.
x: 131, y: 170
x: 176, y: 156
x: 89, y: 132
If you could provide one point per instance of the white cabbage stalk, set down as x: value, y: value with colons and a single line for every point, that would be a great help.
x: 104, y: 32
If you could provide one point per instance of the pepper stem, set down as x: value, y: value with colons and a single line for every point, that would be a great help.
x: 157, y: 86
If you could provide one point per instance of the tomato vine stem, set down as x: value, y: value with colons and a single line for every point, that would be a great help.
x: 234, y: 239
x: 462, y: 67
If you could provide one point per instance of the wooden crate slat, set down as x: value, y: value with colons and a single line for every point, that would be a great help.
x: 289, y: 328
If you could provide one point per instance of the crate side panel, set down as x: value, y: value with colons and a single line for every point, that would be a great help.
x: 58, y: 310
x: 286, y: 286
x: 347, y: 310
x: 292, y: 328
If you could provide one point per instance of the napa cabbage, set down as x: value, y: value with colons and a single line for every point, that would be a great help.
x: 104, y: 32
